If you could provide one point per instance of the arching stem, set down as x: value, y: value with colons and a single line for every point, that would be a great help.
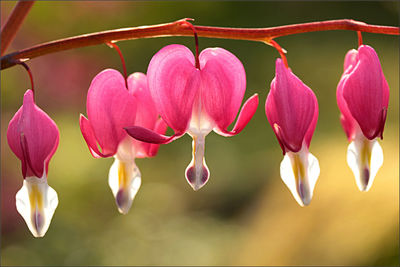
x: 179, y: 28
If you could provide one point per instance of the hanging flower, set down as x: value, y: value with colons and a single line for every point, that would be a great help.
x: 196, y: 100
x: 363, y: 97
x: 110, y: 107
x: 292, y: 111
x: 33, y: 137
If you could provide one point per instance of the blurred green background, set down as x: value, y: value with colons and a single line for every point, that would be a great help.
x: 245, y: 215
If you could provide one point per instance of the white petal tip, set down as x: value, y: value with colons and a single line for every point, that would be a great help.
x: 36, y: 202
x: 196, y: 187
x: 38, y: 224
x: 364, y: 157
x: 304, y: 194
x: 124, y: 180
x: 123, y: 201
x: 300, y: 171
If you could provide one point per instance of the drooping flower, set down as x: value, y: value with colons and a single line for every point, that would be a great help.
x: 363, y: 97
x: 33, y: 137
x: 110, y: 107
x: 196, y: 100
x: 292, y: 111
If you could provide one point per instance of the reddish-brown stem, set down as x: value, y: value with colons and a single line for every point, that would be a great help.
x: 23, y: 64
x: 281, y: 52
x: 179, y: 28
x: 13, y: 23
x: 196, y: 41
x: 360, y: 40
x: 112, y: 45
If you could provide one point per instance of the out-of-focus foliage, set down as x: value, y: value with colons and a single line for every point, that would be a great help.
x: 244, y: 215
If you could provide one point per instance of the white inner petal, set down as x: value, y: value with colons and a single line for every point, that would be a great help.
x: 300, y: 171
x: 124, y: 177
x: 197, y: 172
x: 126, y: 149
x: 36, y: 201
x: 200, y: 125
x: 124, y: 180
x: 364, y: 157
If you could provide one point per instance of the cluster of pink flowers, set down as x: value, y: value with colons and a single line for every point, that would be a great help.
x: 128, y: 118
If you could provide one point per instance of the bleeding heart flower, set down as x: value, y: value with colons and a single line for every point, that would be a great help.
x: 363, y: 97
x: 196, y: 101
x: 33, y: 137
x: 292, y: 111
x: 110, y: 107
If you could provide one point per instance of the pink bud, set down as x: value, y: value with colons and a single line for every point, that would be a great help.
x: 291, y: 109
x: 33, y: 137
x: 363, y: 94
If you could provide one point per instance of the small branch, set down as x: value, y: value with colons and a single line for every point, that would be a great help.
x: 196, y: 43
x: 121, y: 57
x: 360, y: 40
x: 281, y: 52
x: 23, y: 64
x: 179, y: 28
x: 13, y: 23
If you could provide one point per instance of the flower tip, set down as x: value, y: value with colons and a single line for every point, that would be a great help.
x: 28, y: 96
x: 123, y: 201
x: 38, y: 224
x: 197, y: 177
x: 363, y: 185
x: 305, y: 195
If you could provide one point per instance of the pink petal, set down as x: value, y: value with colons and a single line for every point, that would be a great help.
x: 223, y: 85
x: 90, y: 139
x: 146, y: 113
x: 150, y: 136
x: 350, y: 60
x: 110, y: 107
x: 366, y: 93
x: 174, y: 83
x: 33, y: 136
x: 346, y: 119
x: 245, y: 115
x: 291, y: 108
x: 311, y: 128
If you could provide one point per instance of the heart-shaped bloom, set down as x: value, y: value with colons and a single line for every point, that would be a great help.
x: 363, y: 97
x: 110, y: 108
x: 33, y: 137
x: 292, y: 111
x: 196, y: 101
